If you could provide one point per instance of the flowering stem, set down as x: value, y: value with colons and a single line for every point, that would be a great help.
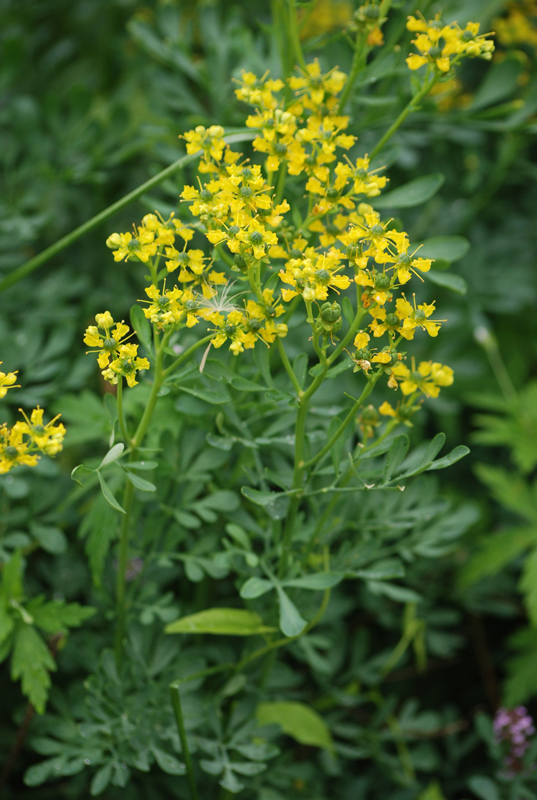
x: 300, y: 430
x: 358, y: 63
x: 326, y: 449
x: 288, y: 367
x: 186, y: 355
x: 348, y: 336
x: 294, y: 35
x: 65, y: 241
x: 412, y: 106
x: 128, y: 498
x: 319, y: 351
x: 120, y: 414
x: 121, y: 571
x: 175, y: 695
x: 282, y: 175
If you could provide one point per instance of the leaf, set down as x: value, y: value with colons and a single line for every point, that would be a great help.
x: 316, y: 582
x: 57, y: 616
x: 509, y: 489
x: 495, y: 552
x: 113, y: 454
x: 167, y: 762
x: 222, y: 622
x: 39, y: 773
x: 78, y: 472
x: 262, y: 362
x: 446, y: 461
x: 32, y: 661
x: 100, y: 780
x: 12, y: 577
x: 396, y: 454
x: 383, y: 570
x: 500, y: 81
x: 255, y: 587
x: 6, y: 623
x: 207, y: 395
x: 401, y: 594
x: 445, y: 279
x: 50, y: 538
x: 245, y: 385
x: 291, y: 623
x: 484, y: 788
x: 413, y: 193
x: 140, y: 483
x: 108, y: 496
x: 528, y: 585
x: 297, y: 720
x: 443, y: 248
x: 141, y: 325
x: 422, y: 457
x: 141, y: 465
x: 100, y: 528
x: 276, y: 504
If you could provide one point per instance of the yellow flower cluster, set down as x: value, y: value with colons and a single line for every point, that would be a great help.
x: 115, y: 357
x: 22, y: 444
x: 340, y: 241
x: 441, y: 46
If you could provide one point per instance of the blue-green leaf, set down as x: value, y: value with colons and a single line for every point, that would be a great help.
x: 413, y: 193
x: 108, y: 496
x: 291, y: 623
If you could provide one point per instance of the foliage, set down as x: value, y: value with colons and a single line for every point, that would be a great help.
x: 311, y: 607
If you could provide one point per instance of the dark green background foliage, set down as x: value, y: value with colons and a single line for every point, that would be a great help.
x: 414, y: 655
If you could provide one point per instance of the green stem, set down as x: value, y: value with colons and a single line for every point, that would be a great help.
x: 175, y: 696
x: 358, y: 63
x: 186, y: 355
x: 348, y: 336
x: 157, y: 383
x: 321, y: 355
x: 91, y: 224
x: 282, y: 175
x: 412, y: 106
x: 120, y: 413
x: 300, y: 429
x: 288, y: 367
x: 326, y: 449
x: 128, y: 494
x: 121, y: 610
x: 294, y: 35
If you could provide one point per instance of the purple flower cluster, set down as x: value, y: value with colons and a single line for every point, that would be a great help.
x: 513, y: 727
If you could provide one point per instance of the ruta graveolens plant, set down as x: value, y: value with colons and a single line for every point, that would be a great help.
x: 282, y: 252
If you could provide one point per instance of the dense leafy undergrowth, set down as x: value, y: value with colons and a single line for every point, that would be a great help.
x: 317, y: 592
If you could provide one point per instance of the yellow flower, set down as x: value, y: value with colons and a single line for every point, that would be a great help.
x: 46, y: 438
x: 14, y: 450
x: 313, y: 274
x: 126, y: 364
x: 106, y: 340
x: 428, y: 378
x: 139, y: 247
x: 7, y: 381
x: 361, y: 340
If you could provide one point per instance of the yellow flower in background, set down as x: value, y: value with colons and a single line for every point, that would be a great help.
x: 441, y: 45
